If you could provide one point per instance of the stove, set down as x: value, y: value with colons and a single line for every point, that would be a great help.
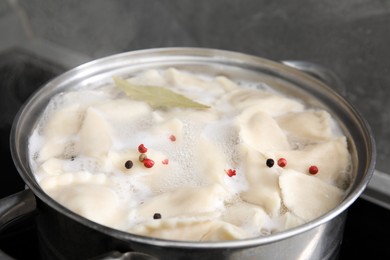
x: 21, y: 73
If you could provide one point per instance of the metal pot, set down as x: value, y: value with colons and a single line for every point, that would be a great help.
x: 64, y: 234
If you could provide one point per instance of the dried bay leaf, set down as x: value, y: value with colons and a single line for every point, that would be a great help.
x: 156, y: 96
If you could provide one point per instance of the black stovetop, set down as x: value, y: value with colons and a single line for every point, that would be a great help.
x: 367, y: 224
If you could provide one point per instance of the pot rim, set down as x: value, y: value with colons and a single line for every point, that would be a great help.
x: 229, y: 57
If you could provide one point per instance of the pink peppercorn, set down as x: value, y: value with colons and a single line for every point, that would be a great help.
x: 165, y: 161
x: 313, y: 169
x: 148, y: 163
x: 282, y: 162
x: 230, y: 172
x: 142, y: 148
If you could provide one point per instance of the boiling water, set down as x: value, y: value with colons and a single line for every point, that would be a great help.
x: 210, y: 179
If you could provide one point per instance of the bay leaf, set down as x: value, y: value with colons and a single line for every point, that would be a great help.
x: 156, y: 96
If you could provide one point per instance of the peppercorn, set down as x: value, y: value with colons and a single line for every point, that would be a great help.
x: 142, y: 148
x: 313, y: 169
x: 165, y: 161
x: 142, y: 157
x: 156, y: 216
x: 282, y: 162
x: 148, y: 163
x: 270, y: 162
x: 230, y: 172
x: 129, y: 164
x: 172, y: 138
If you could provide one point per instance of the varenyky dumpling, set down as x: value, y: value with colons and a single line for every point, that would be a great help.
x: 246, y: 214
x: 264, y: 101
x: 221, y: 231
x: 95, y: 134
x: 209, y: 174
x: 183, y: 201
x: 180, y: 79
x: 89, y: 195
x: 188, y: 229
x: 261, y: 131
x: 62, y: 121
x: 331, y: 157
x: 297, y: 125
x: 263, y: 185
x: 302, y: 193
x: 59, y: 127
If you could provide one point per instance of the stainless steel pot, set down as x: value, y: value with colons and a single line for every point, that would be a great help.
x: 67, y: 235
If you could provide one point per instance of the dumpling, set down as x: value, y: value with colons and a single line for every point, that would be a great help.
x: 307, y: 125
x: 263, y: 184
x: 87, y: 195
x: 202, y: 228
x: 52, y: 166
x: 187, y: 82
x: 183, y: 201
x: 261, y: 132
x: 150, y: 77
x: 306, y: 196
x: 291, y: 221
x: 210, y: 168
x: 178, y: 228
x: 222, y: 231
x: 169, y: 127
x: 227, y: 84
x: 123, y: 110
x: 260, y: 100
x: 332, y: 159
x: 61, y: 126
x: 247, y: 215
x: 95, y: 134
x: 64, y: 122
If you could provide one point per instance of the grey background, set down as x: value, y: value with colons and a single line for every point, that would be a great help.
x: 351, y: 37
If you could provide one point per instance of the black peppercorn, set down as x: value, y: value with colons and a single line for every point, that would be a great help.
x: 270, y: 163
x: 128, y: 164
x: 156, y: 216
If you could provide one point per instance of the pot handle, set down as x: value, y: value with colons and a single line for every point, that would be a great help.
x: 116, y: 255
x: 16, y: 206
x: 319, y: 72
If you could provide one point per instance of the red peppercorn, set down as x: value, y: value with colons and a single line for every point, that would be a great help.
x: 313, y: 169
x: 142, y: 148
x: 172, y: 138
x: 282, y: 162
x: 148, y: 163
x: 230, y: 172
x: 165, y: 161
